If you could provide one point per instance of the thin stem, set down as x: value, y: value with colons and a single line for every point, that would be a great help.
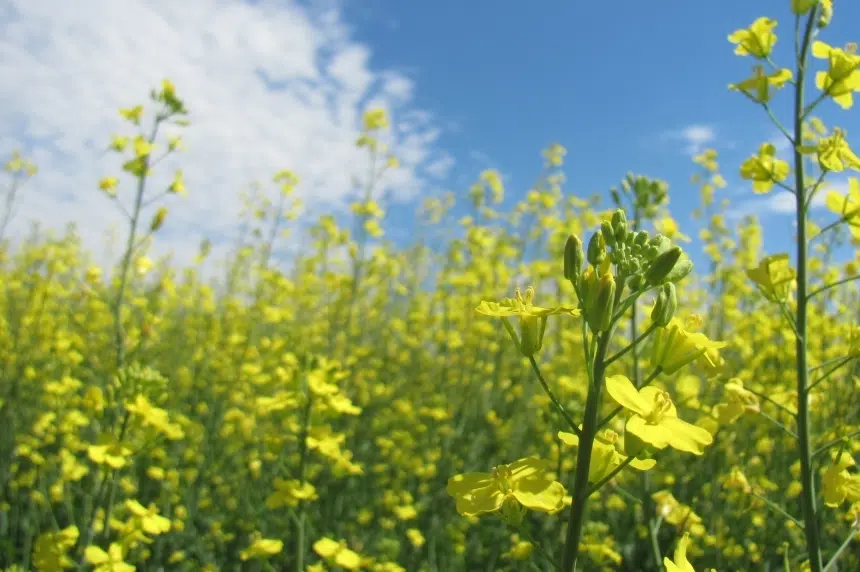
x: 633, y: 345
x: 833, y: 443
x: 779, y: 406
x: 778, y: 509
x: 829, y: 227
x: 830, y: 372
x: 653, y: 531
x: 807, y: 477
x: 842, y: 548
x: 596, y: 487
x: 778, y: 424
x: 527, y: 533
x: 826, y: 287
x: 570, y: 422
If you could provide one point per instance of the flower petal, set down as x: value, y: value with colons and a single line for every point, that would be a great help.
x: 624, y: 392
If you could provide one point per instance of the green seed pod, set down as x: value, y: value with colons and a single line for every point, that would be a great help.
x: 663, y: 265
x: 596, y: 249
x: 665, y: 306
x: 574, y: 258
x: 681, y: 270
x: 608, y: 233
x: 598, y: 314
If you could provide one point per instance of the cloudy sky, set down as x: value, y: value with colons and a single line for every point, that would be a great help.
x: 279, y: 84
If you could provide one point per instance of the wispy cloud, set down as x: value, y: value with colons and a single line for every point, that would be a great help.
x: 694, y: 138
x: 780, y: 202
x: 270, y: 84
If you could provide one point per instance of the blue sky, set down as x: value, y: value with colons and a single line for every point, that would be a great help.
x: 624, y: 85
x: 617, y: 82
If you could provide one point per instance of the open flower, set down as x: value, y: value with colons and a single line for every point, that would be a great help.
x: 842, y: 77
x: 837, y: 484
x: 757, y: 40
x: 738, y: 401
x: 764, y: 169
x: 655, y: 419
x: 605, y: 458
x: 679, y: 563
x: 532, y: 319
x: 774, y: 276
x: 675, y: 346
x: 524, y: 481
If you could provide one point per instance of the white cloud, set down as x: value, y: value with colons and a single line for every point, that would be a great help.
x: 695, y: 137
x: 440, y: 167
x: 270, y: 84
x: 779, y: 202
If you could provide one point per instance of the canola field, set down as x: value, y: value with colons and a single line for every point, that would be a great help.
x: 557, y: 387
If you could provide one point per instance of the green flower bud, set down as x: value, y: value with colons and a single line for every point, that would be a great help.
x: 681, y: 270
x: 651, y: 252
x: 825, y: 15
x: 621, y: 232
x: 596, y: 249
x: 663, y: 265
x: 608, y: 233
x: 599, y: 311
x: 574, y: 258
x: 618, y: 218
x: 616, y: 198
x: 661, y: 242
x: 665, y: 306
x: 640, y: 238
x: 636, y: 282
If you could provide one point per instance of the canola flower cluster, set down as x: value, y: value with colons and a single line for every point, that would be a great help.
x: 341, y: 414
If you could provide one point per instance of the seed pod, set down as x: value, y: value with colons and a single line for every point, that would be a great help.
x: 598, y: 314
x: 574, y: 258
x: 663, y: 265
x: 665, y: 306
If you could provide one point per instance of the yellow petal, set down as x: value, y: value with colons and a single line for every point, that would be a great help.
x: 685, y: 436
x: 623, y: 391
x: 539, y: 494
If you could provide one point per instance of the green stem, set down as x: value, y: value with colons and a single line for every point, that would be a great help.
x: 597, y: 486
x: 778, y: 509
x: 831, y: 285
x: 590, y: 427
x: 845, y: 545
x: 829, y: 444
x: 570, y: 422
x: 653, y: 531
x: 810, y: 509
x: 830, y: 372
x: 633, y: 345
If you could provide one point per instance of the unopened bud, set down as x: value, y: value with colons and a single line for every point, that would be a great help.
x: 663, y: 265
x: 665, y: 306
x: 574, y: 258
x: 608, y: 233
x: 598, y: 314
x: 825, y: 15
x: 682, y: 270
x: 618, y: 217
x: 596, y: 249
x: 158, y: 219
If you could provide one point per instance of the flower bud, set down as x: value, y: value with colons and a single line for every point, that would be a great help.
x: 574, y: 258
x: 681, y: 271
x: 608, y: 233
x: 663, y: 265
x: 661, y: 242
x: 825, y: 15
x: 596, y: 249
x: 640, y: 238
x: 665, y: 306
x: 618, y: 218
x: 599, y: 311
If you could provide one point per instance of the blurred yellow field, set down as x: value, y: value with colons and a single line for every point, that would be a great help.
x: 550, y: 386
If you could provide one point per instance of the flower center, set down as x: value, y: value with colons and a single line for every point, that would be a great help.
x: 662, y: 405
x: 502, y: 475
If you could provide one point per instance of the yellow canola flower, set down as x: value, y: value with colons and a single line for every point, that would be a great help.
x: 674, y: 347
x: 49, y: 550
x: 847, y: 206
x: 842, y: 77
x: 738, y: 401
x: 110, y: 561
x: 337, y: 554
x: 758, y: 86
x: 262, y: 548
x: 679, y: 563
x: 774, y: 276
x: 837, y: 484
x: 605, y: 458
x: 834, y: 153
x: 764, y: 169
x: 524, y: 481
x: 757, y: 40
x: 655, y: 419
x: 532, y: 318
